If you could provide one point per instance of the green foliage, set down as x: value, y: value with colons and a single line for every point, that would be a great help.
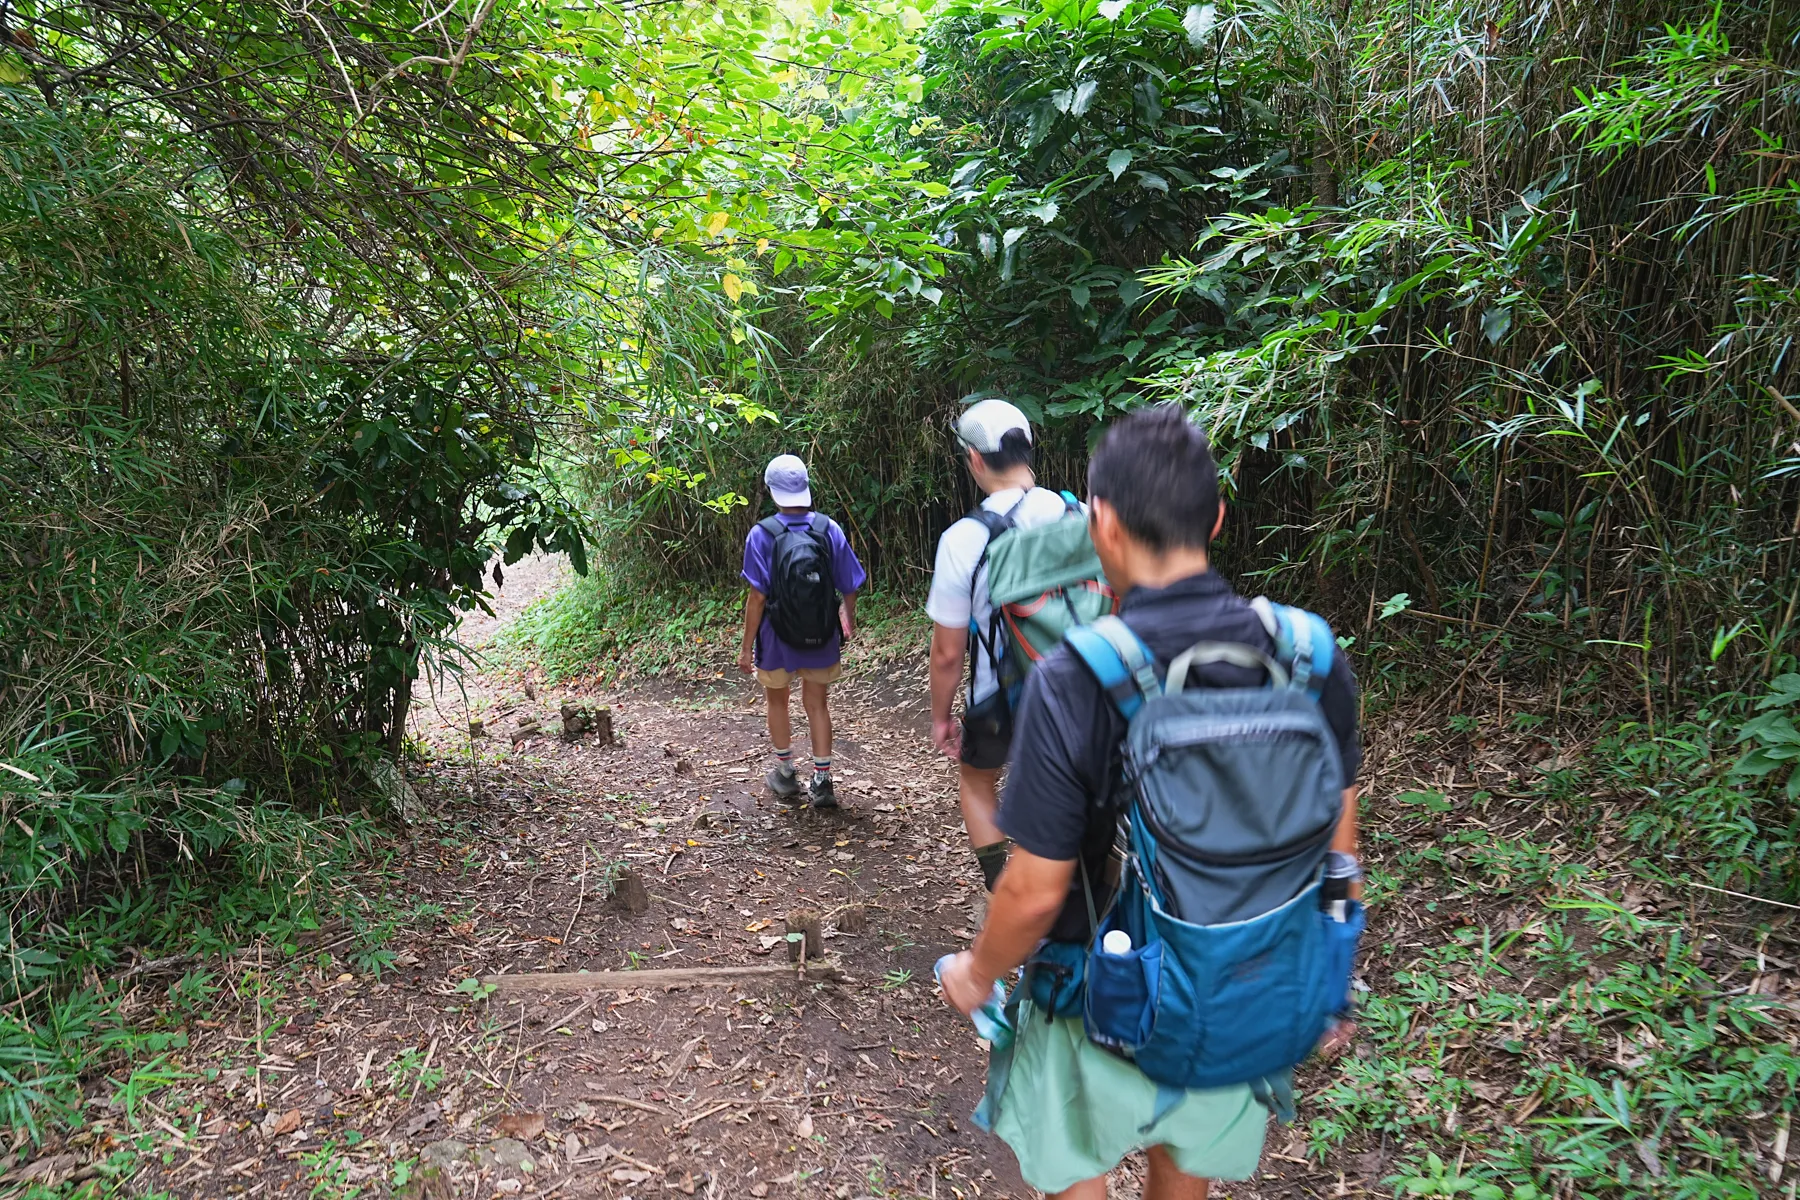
x: 615, y: 621
x: 626, y: 623
x: 1078, y: 144
x: 298, y: 307
x: 1589, y: 1049
x: 1705, y: 806
x: 1445, y: 352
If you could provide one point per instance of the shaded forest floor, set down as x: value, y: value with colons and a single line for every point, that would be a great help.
x: 1502, y: 959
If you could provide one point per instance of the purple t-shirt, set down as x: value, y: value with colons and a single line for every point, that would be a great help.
x: 773, y: 654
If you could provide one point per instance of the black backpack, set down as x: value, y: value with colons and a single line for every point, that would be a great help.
x: 803, y: 599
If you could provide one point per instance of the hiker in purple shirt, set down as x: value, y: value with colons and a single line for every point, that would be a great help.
x: 803, y: 580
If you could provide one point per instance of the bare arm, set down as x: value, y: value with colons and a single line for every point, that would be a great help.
x: 753, y: 615
x: 949, y: 646
x: 1344, y: 839
x: 1030, y: 893
x: 849, y: 615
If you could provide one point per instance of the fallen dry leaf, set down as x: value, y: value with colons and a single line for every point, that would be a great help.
x: 805, y: 1127
x: 627, y: 1175
x: 760, y: 1190
x: 47, y: 1170
x: 287, y: 1122
x: 423, y: 1119
x: 523, y: 1126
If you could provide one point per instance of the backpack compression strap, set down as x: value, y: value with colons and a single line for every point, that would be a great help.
x: 1123, y: 664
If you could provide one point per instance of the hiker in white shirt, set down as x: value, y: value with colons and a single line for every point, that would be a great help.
x: 996, y: 442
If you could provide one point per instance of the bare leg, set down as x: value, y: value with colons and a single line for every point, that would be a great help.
x: 1087, y: 1189
x: 978, y: 792
x: 1167, y: 1182
x: 781, y: 727
x: 818, y: 716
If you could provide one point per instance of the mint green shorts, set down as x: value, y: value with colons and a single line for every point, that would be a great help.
x: 1071, y: 1111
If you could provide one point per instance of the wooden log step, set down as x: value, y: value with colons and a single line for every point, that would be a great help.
x: 592, y: 981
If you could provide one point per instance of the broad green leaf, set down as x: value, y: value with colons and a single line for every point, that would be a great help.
x: 1117, y: 161
x: 1110, y: 9
x: 1784, y: 690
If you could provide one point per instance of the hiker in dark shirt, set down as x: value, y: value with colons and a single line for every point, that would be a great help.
x: 1069, y: 1109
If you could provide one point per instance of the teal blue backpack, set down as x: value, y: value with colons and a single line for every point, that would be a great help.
x: 1235, y: 969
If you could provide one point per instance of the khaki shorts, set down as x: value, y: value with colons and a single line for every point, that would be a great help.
x: 779, y: 680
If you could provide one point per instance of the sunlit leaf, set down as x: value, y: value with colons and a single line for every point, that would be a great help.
x: 1197, y: 22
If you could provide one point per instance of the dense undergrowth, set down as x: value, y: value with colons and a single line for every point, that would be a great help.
x: 299, y: 310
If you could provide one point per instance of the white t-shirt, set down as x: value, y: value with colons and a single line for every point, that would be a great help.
x: 959, y: 602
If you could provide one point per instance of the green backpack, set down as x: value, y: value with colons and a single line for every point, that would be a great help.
x: 1043, y: 582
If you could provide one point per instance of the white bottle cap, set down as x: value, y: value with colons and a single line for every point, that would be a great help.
x: 1116, y: 941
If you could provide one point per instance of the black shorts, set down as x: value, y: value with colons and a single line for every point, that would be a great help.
x: 987, y: 730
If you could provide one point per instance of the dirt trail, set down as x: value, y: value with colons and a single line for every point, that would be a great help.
x: 857, y: 1088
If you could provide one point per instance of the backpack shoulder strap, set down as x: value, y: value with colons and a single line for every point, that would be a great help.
x: 819, y: 523
x: 995, y: 523
x: 1121, y: 662
x: 772, y: 526
x: 1070, y: 503
x: 1303, y: 642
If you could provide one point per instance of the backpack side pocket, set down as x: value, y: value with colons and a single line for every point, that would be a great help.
x: 1338, y: 963
x: 1123, y: 991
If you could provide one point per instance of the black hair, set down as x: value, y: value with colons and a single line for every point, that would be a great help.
x: 1014, y: 451
x: 1156, y: 470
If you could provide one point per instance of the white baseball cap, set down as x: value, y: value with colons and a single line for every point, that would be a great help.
x: 788, y: 484
x: 985, y: 422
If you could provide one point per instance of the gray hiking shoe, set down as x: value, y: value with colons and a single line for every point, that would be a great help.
x: 823, y: 795
x: 785, y: 784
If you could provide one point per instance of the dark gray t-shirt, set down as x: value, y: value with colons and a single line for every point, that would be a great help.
x: 1064, y: 784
